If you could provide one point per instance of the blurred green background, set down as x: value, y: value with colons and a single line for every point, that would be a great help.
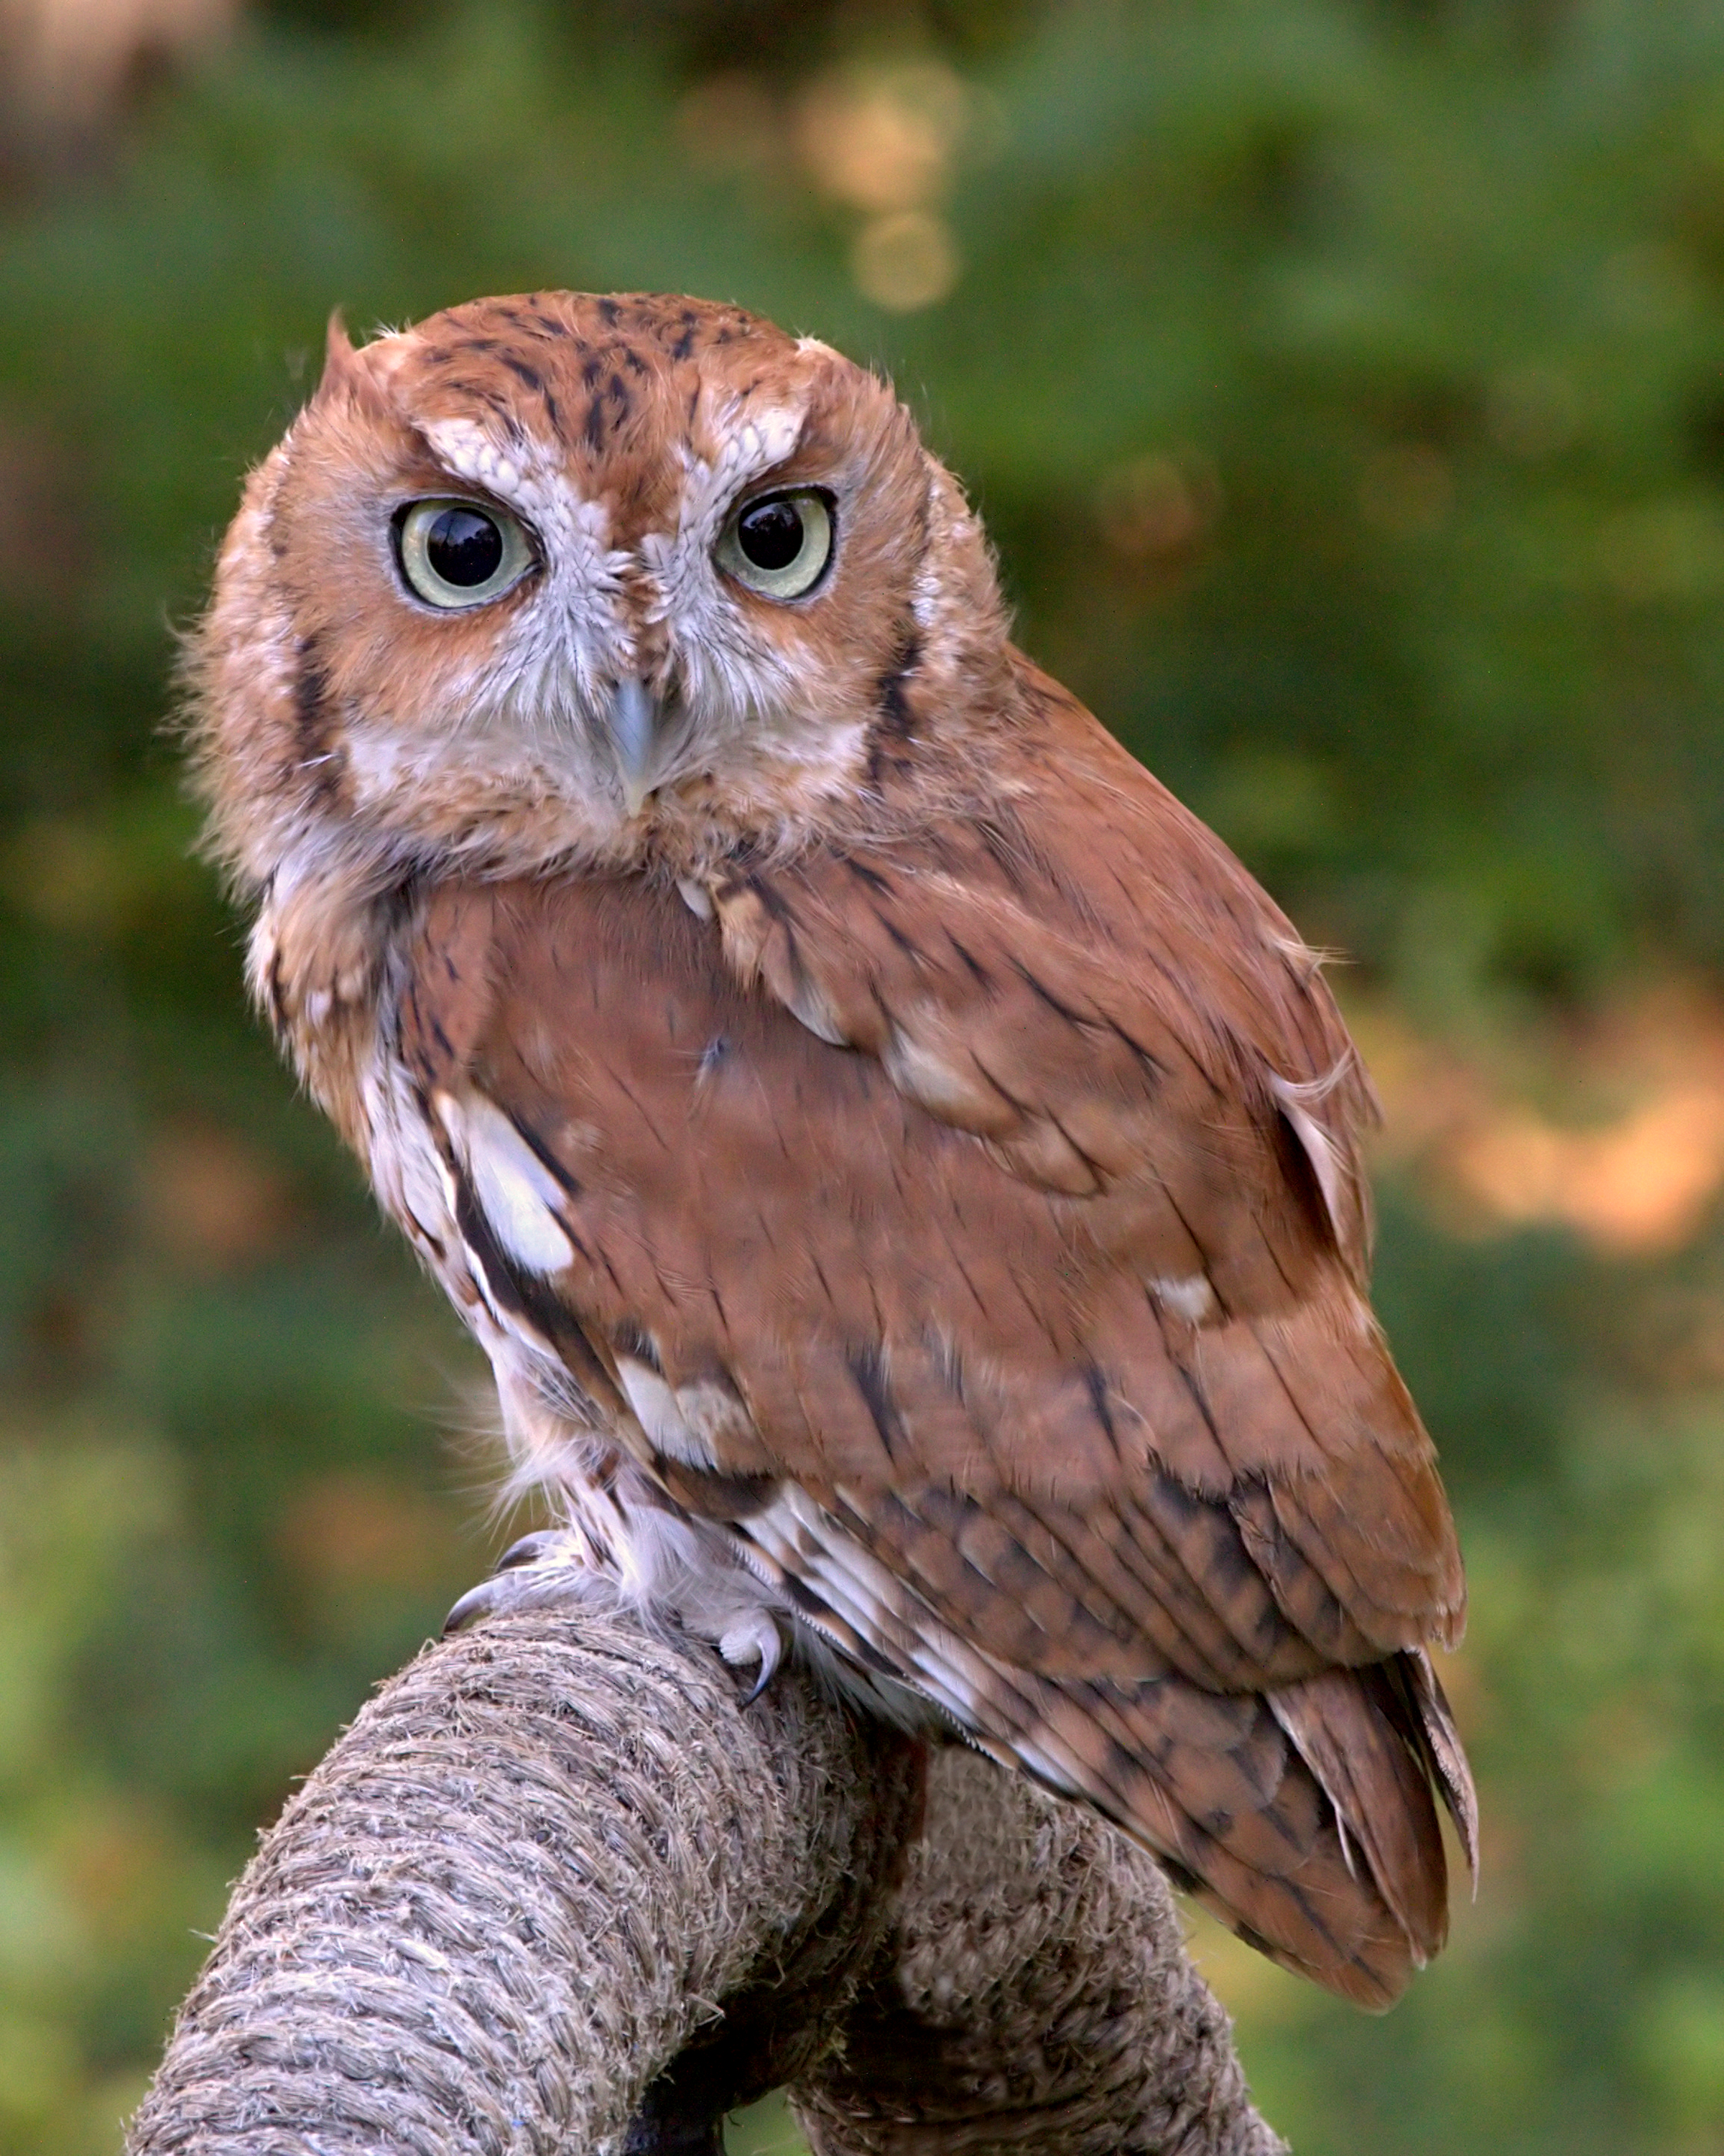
x: 1341, y: 384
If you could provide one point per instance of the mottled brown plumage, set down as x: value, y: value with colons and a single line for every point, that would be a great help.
x: 904, y: 1171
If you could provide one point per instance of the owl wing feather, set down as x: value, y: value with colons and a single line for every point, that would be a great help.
x: 982, y: 1243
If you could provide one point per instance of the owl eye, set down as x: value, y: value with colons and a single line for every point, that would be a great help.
x: 779, y: 544
x: 456, y: 554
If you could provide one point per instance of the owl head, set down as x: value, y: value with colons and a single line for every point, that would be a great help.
x: 564, y: 578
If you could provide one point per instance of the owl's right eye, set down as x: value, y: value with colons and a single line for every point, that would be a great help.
x: 459, y: 554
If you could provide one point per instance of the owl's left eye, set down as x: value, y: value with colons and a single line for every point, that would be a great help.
x: 458, y: 553
x: 779, y: 544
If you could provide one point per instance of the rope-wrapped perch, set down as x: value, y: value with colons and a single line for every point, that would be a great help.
x: 556, y: 1869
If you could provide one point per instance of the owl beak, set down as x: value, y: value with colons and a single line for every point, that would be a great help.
x: 634, y: 734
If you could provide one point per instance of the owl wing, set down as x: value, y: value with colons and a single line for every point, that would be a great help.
x: 981, y: 1242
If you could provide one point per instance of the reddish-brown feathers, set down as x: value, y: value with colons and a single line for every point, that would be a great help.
x: 955, y: 1139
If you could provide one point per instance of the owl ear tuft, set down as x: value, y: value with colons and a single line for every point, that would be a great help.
x: 350, y: 375
x: 344, y: 373
x: 339, y: 370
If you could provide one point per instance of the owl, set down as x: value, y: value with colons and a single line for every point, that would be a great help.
x: 903, y: 1171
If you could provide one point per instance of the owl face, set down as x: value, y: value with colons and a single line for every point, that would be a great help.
x: 582, y: 578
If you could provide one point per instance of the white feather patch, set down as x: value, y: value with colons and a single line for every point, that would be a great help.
x: 516, y: 1192
x: 1320, y: 1148
x: 409, y: 1173
x: 696, y: 897
x: 660, y: 1414
x: 1191, y: 1298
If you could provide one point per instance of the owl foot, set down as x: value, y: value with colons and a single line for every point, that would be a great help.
x: 722, y: 1605
x: 518, y: 1579
x: 755, y: 1636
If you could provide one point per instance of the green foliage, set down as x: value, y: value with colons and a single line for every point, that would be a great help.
x: 1340, y: 384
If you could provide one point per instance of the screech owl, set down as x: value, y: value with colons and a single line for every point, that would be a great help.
x: 903, y: 1171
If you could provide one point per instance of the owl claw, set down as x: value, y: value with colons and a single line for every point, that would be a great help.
x: 527, y: 1550
x: 495, y: 1594
x: 754, y: 1636
x: 477, y: 1602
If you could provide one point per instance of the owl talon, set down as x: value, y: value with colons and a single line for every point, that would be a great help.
x: 527, y: 1550
x: 480, y: 1601
x: 753, y: 1637
x: 498, y: 1592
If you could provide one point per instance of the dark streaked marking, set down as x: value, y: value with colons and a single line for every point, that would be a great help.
x: 542, y: 1153
x: 1287, y: 1829
x: 805, y: 1598
x: 867, y: 1368
x: 311, y: 711
x: 1095, y: 1381
x: 1154, y: 1069
x: 773, y: 900
x: 1179, y: 1513
x: 1307, y: 1605
x: 481, y: 393
x: 870, y: 1658
x: 523, y: 1296
x: 1009, y: 849
x: 1299, y: 1171
x: 633, y: 1340
x: 894, y: 728
x: 893, y: 703
x: 897, y: 935
x: 1206, y: 1267
x: 1190, y: 1380
x: 714, y: 1495
x: 273, y: 989
x: 870, y: 878
x: 978, y: 972
x: 1039, y: 989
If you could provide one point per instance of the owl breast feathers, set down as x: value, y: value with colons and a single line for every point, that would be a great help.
x: 904, y: 1172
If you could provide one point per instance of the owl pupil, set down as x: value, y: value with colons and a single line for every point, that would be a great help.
x: 464, y: 548
x: 770, y: 534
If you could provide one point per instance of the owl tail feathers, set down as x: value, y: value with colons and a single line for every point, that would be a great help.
x: 1304, y: 1820
x: 1377, y: 1740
